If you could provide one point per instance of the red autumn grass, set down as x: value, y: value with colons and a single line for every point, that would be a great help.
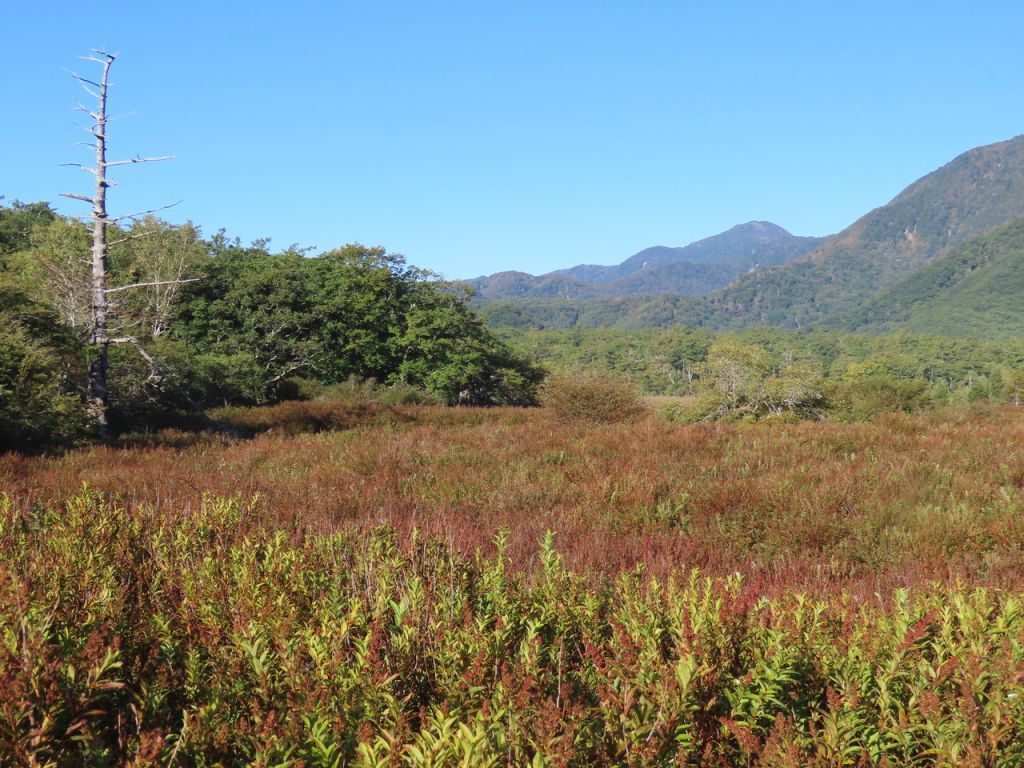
x: 823, y: 506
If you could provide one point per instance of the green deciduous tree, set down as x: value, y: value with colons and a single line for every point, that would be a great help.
x: 351, y: 312
x: 740, y: 381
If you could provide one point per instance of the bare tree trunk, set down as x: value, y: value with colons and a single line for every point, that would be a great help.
x: 98, y: 397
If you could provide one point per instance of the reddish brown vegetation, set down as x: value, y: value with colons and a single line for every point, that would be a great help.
x: 823, y: 506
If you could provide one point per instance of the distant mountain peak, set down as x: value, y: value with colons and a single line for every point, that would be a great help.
x: 945, y: 255
x: 759, y: 226
x: 695, y: 269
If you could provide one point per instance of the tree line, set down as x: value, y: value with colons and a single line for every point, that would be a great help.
x: 760, y: 372
x: 219, y: 322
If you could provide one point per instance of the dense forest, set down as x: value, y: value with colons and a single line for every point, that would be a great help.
x: 974, y: 290
x: 769, y: 372
x: 218, y: 322
x: 668, y: 361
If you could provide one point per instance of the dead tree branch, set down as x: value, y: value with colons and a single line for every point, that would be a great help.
x: 154, y: 282
x: 140, y: 214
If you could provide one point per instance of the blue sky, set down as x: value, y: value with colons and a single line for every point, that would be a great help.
x: 477, y: 136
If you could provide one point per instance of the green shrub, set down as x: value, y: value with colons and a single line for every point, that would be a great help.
x: 402, y: 393
x: 591, y: 399
x: 36, y: 406
x: 135, y: 637
x: 299, y: 388
x: 690, y: 410
x: 868, y: 397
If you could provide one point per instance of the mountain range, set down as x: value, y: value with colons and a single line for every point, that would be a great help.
x: 692, y: 270
x: 949, y: 246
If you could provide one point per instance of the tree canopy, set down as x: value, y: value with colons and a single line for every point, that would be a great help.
x: 350, y: 312
x: 243, y: 326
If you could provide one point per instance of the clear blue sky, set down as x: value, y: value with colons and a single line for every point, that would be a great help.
x: 480, y: 136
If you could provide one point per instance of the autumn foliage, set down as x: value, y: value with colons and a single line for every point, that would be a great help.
x: 430, y: 586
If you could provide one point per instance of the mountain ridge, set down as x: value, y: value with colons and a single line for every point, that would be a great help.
x: 974, y: 194
x: 695, y: 269
x: 973, y: 289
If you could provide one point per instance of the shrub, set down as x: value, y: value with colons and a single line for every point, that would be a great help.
x: 868, y: 397
x: 401, y: 393
x: 357, y: 390
x: 691, y: 410
x: 299, y: 388
x: 591, y: 399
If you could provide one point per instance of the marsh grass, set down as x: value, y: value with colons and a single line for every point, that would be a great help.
x: 379, y: 587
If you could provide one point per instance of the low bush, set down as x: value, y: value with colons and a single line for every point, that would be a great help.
x: 299, y: 388
x: 870, y: 396
x: 691, y: 410
x: 358, y: 390
x: 591, y: 399
x: 296, y: 417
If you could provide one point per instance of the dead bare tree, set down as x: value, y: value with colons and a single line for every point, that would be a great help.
x: 98, y: 398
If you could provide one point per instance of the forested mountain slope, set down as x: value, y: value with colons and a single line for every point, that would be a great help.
x: 887, y: 249
x: 975, y: 289
x: 975, y: 193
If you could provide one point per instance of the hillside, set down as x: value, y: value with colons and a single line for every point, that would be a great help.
x: 975, y: 193
x: 886, y: 249
x: 631, y: 313
x: 973, y: 290
x: 691, y: 270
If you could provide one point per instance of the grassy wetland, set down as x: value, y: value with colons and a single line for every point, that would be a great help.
x: 369, y: 585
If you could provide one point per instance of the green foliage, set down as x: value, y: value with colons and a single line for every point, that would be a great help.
x: 631, y: 313
x: 356, y: 390
x: 38, y: 374
x: 672, y: 361
x: 446, y: 349
x: 17, y: 222
x: 351, y: 312
x: 591, y: 399
x: 155, y: 254
x: 224, y: 324
x: 1013, y: 389
x: 869, y: 396
x: 132, y: 637
x: 740, y: 381
x: 973, y: 290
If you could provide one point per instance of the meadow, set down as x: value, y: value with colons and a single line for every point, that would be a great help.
x: 332, y: 584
